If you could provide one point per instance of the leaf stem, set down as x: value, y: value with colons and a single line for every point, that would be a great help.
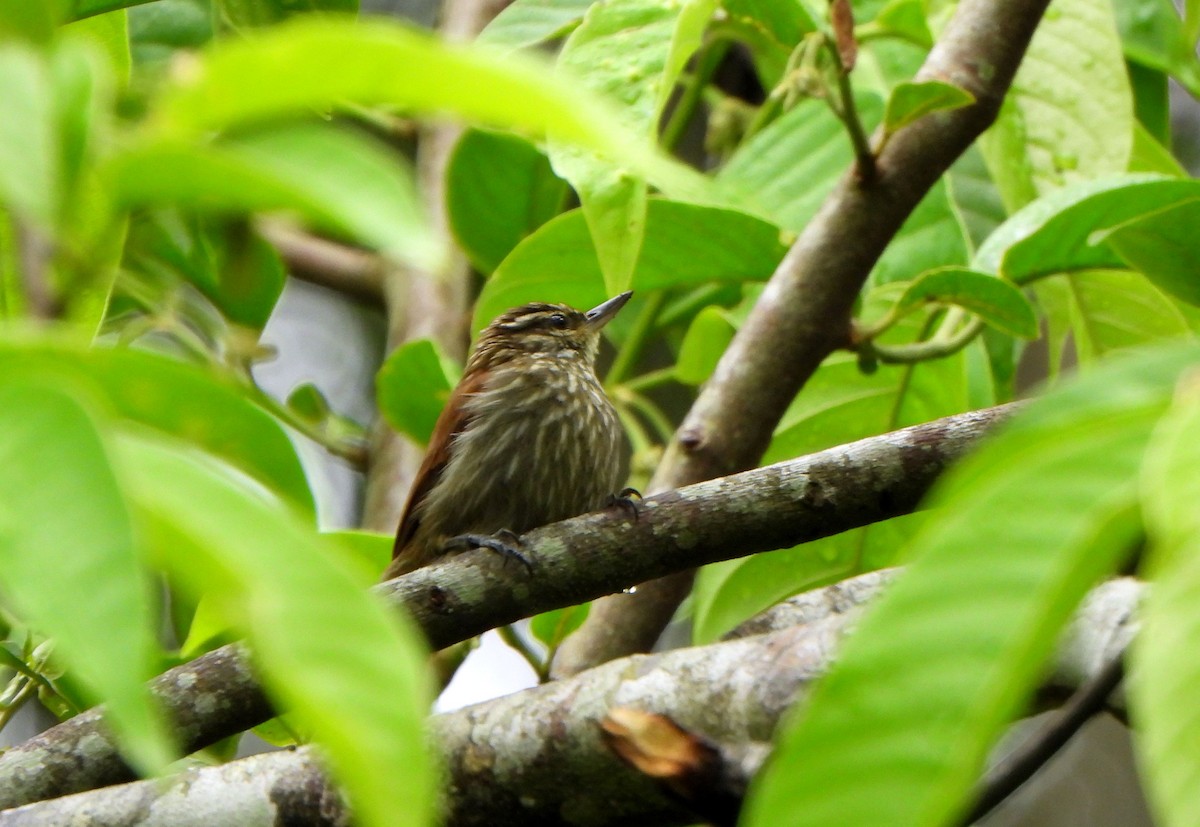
x: 847, y: 112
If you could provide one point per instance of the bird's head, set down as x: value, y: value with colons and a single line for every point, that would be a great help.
x: 548, y: 329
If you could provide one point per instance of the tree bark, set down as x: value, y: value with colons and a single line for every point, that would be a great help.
x: 574, y: 561
x: 538, y: 756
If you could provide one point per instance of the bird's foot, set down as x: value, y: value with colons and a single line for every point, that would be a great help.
x: 504, y: 542
x: 627, y: 500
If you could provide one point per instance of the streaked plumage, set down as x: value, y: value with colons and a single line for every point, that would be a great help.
x: 527, y: 437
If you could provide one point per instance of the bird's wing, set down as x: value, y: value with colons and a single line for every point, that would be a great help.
x: 453, y: 420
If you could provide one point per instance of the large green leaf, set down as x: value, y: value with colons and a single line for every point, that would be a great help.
x: 1071, y: 81
x: 685, y: 245
x: 1153, y: 35
x: 632, y: 51
x: 68, y: 558
x: 499, y: 189
x: 1164, y: 669
x: 286, y: 70
x: 898, y: 731
x: 1059, y: 232
x: 182, y: 400
x: 339, y: 180
x: 790, y: 167
x: 300, y: 603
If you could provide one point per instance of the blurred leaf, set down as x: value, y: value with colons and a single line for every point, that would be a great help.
x: 1045, y: 136
x: 68, y: 559
x: 1162, y: 681
x: 413, y: 385
x: 110, y: 32
x: 338, y: 179
x: 525, y: 23
x: 499, y: 189
x: 298, y: 602
x: 286, y: 70
x: 770, y: 30
x: 30, y: 174
x: 30, y: 20
x: 905, y: 19
x: 368, y: 552
x: 1151, y: 156
x: 157, y: 30
x: 685, y: 245
x: 1056, y: 233
x: 706, y: 339
x: 552, y: 628
x: 993, y: 299
x: 951, y: 651
x: 248, y: 13
x: 182, y: 400
x: 912, y: 100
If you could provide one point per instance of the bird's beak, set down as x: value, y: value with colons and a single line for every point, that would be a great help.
x: 602, y: 314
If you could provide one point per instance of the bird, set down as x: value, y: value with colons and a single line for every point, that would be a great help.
x: 527, y: 437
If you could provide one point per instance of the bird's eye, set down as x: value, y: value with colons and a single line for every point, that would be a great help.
x: 558, y: 320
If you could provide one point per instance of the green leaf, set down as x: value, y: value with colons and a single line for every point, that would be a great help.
x: 1154, y: 36
x: 30, y: 174
x: 770, y: 30
x: 993, y: 299
x: 1163, y: 671
x: 182, y: 400
x: 685, y: 245
x: 706, y: 339
x: 525, y: 23
x: 729, y: 593
x: 1165, y: 247
x: 552, y: 628
x: 898, y: 731
x: 974, y: 197
x: 286, y: 70
x: 915, y: 99
x: 905, y: 19
x: 1046, y: 135
x: 32, y: 21
x: 412, y: 387
x: 250, y: 13
x: 932, y: 236
x: 68, y: 559
x: 368, y: 552
x: 499, y: 189
x: 792, y: 165
x: 158, y: 30
x: 1105, y: 311
x: 1151, y: 156
x: 1056, y: 233
x: 338, y: 179
x: 632, y: 51
x: 299, y: 603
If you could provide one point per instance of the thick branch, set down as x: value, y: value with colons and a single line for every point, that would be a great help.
x: 574, y: 561
x: 538, y: 756
x: 804, y: 314
x: 347, y: 270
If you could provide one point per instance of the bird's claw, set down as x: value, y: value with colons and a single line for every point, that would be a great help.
x: 503, y: 542
x: 627, y: 500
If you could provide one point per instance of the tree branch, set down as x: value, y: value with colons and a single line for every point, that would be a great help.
x: 574, y: 561
x: 804, y: 313
x: 539, y: 756
x: 348, y: 270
